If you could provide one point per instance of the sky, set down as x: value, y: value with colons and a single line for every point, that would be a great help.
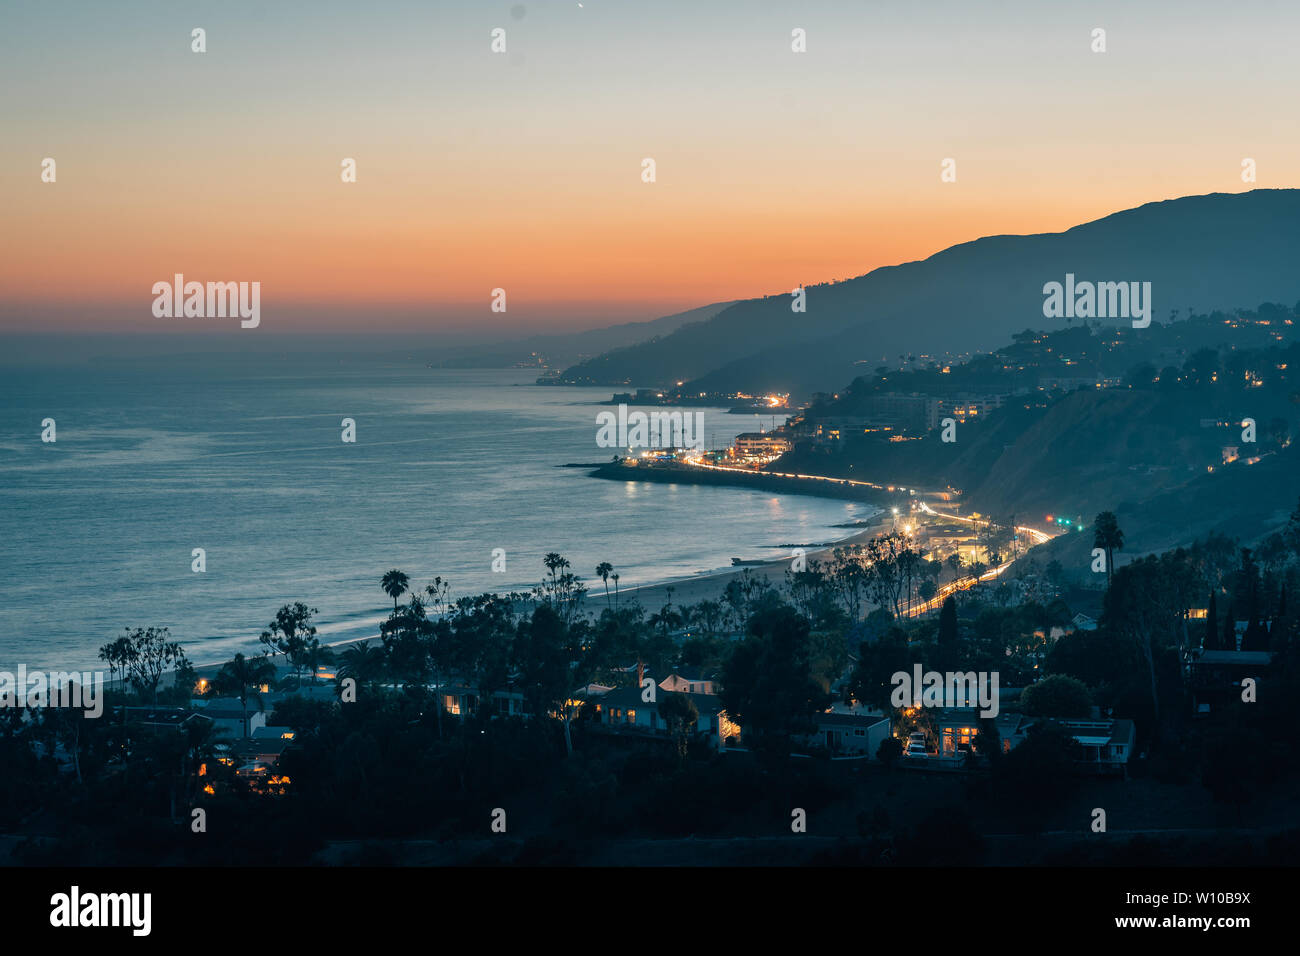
x: 522, y: 170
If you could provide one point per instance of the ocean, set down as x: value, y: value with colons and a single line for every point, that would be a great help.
x: 243, y: 457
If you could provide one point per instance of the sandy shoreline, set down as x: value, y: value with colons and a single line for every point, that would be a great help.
x: 705, y: 586
x: 710, y: 586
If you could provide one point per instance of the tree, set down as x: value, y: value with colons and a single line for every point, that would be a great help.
x: 243, y: 677
x: 395, y: 584
x: 361, y: 663
x: 314, y: 654
x: 878, y: 661
x: 955, y: 563
x: 1140, y: 376
x: 1201, y: 367
x: 561, y: 589
x: 405, y: 636
x: 290, y: 632
x: 479, y: 640
x: 547, y: 652
x: 117, y: 655
x: 849, y: 578
x: 948, y: 622
x: 1147, y: 604
x: 1211, y: 638
x: 767, y: 684
x: 144, y: 655
x: 603, y: 571
x: 680, y: 717
x: 1106, y: 534
x: 1256, y: 636
x: 1058, y: 696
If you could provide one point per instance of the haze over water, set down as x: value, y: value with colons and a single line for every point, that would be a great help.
x: 242, y: 456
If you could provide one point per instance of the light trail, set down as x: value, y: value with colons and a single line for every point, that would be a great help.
x: 962, y: 584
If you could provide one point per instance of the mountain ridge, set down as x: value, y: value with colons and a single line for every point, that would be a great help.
x: 1204, y: 252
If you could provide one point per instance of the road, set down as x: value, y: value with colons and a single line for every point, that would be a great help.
x: 962, y: 584
x: 1036, y: 536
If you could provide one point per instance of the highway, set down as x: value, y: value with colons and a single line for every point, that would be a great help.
x: 1036, y: 536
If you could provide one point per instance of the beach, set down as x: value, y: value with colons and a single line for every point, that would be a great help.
x: 711, y: 586
x: 686, y: 590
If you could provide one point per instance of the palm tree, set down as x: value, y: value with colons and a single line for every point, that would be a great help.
x: 603, y: 571
x: 314, y: 654
x: 554, y: 565
x: 241, y: 678
x: 395, y: 584
x: 615, y: 576
x: 954, y: 563
x: 362, y: 663
x: 665, y: 620
x: 1106, y: 534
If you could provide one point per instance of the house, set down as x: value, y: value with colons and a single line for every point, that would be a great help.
x: 957, y: 728
x: 273, y: 733
x: 227, y: 716
x: 625, y: 711
x: 688, y: 681
x: 1214, y: 677
x: 256, y: 756
x: 842, y: 733
x: 463, y: 700
x: 261, y: 749
x: 1083, y: 622
x: 1012, y: 728
x: 321, y: 693
x: 1107, y: 744
x: 176, y: 719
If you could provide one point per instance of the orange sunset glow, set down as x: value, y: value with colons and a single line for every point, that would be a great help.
x: 525, y: 172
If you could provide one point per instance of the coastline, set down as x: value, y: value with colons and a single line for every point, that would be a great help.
x: 686, y: 589
x: 710, y: 585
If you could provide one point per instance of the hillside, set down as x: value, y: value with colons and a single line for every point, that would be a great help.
x: 1198, y: 252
